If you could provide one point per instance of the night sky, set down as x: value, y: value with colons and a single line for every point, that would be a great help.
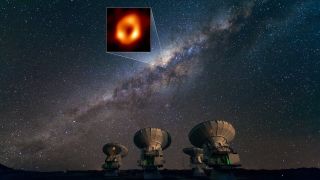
x: 253, y: 63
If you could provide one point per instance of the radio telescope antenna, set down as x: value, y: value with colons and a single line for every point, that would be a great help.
x: 152, y: 142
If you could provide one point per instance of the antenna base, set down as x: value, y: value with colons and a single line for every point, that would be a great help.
x: 111, y: 172
x: 152, y: 173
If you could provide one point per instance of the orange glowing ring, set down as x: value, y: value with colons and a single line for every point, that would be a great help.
x: 128, y: 29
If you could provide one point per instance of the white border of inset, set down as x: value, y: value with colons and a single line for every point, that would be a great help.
x: 106, y: 36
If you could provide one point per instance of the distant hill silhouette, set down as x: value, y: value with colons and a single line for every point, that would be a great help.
x: 4, y: 168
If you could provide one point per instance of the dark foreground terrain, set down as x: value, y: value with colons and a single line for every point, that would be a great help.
x: 303, y: 174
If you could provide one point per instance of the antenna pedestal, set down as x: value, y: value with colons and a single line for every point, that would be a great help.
x: 111, y: 172
x: 114, y: 152
x: 151, y: 173
x: 196, y: 160
x: 198, y: 171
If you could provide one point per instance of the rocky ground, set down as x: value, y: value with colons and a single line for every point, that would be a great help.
x: 302, y: 173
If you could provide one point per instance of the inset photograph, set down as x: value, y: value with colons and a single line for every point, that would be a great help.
x: 128, y: 30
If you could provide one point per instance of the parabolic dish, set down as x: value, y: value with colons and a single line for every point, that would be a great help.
x: 154, y: 138
x: 208, y: 131
x: 111, y: 149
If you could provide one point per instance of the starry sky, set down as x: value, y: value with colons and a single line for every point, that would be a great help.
x: 252, y: 63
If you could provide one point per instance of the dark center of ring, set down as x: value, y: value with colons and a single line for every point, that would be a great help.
x: 128, y: 30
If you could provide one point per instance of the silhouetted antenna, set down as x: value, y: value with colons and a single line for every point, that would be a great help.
x: 152, y: 142
x: 214, y: 137
x: 196, y: 160
x: 115, y: 152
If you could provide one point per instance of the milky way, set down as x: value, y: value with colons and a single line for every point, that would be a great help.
x: 236, y: 65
